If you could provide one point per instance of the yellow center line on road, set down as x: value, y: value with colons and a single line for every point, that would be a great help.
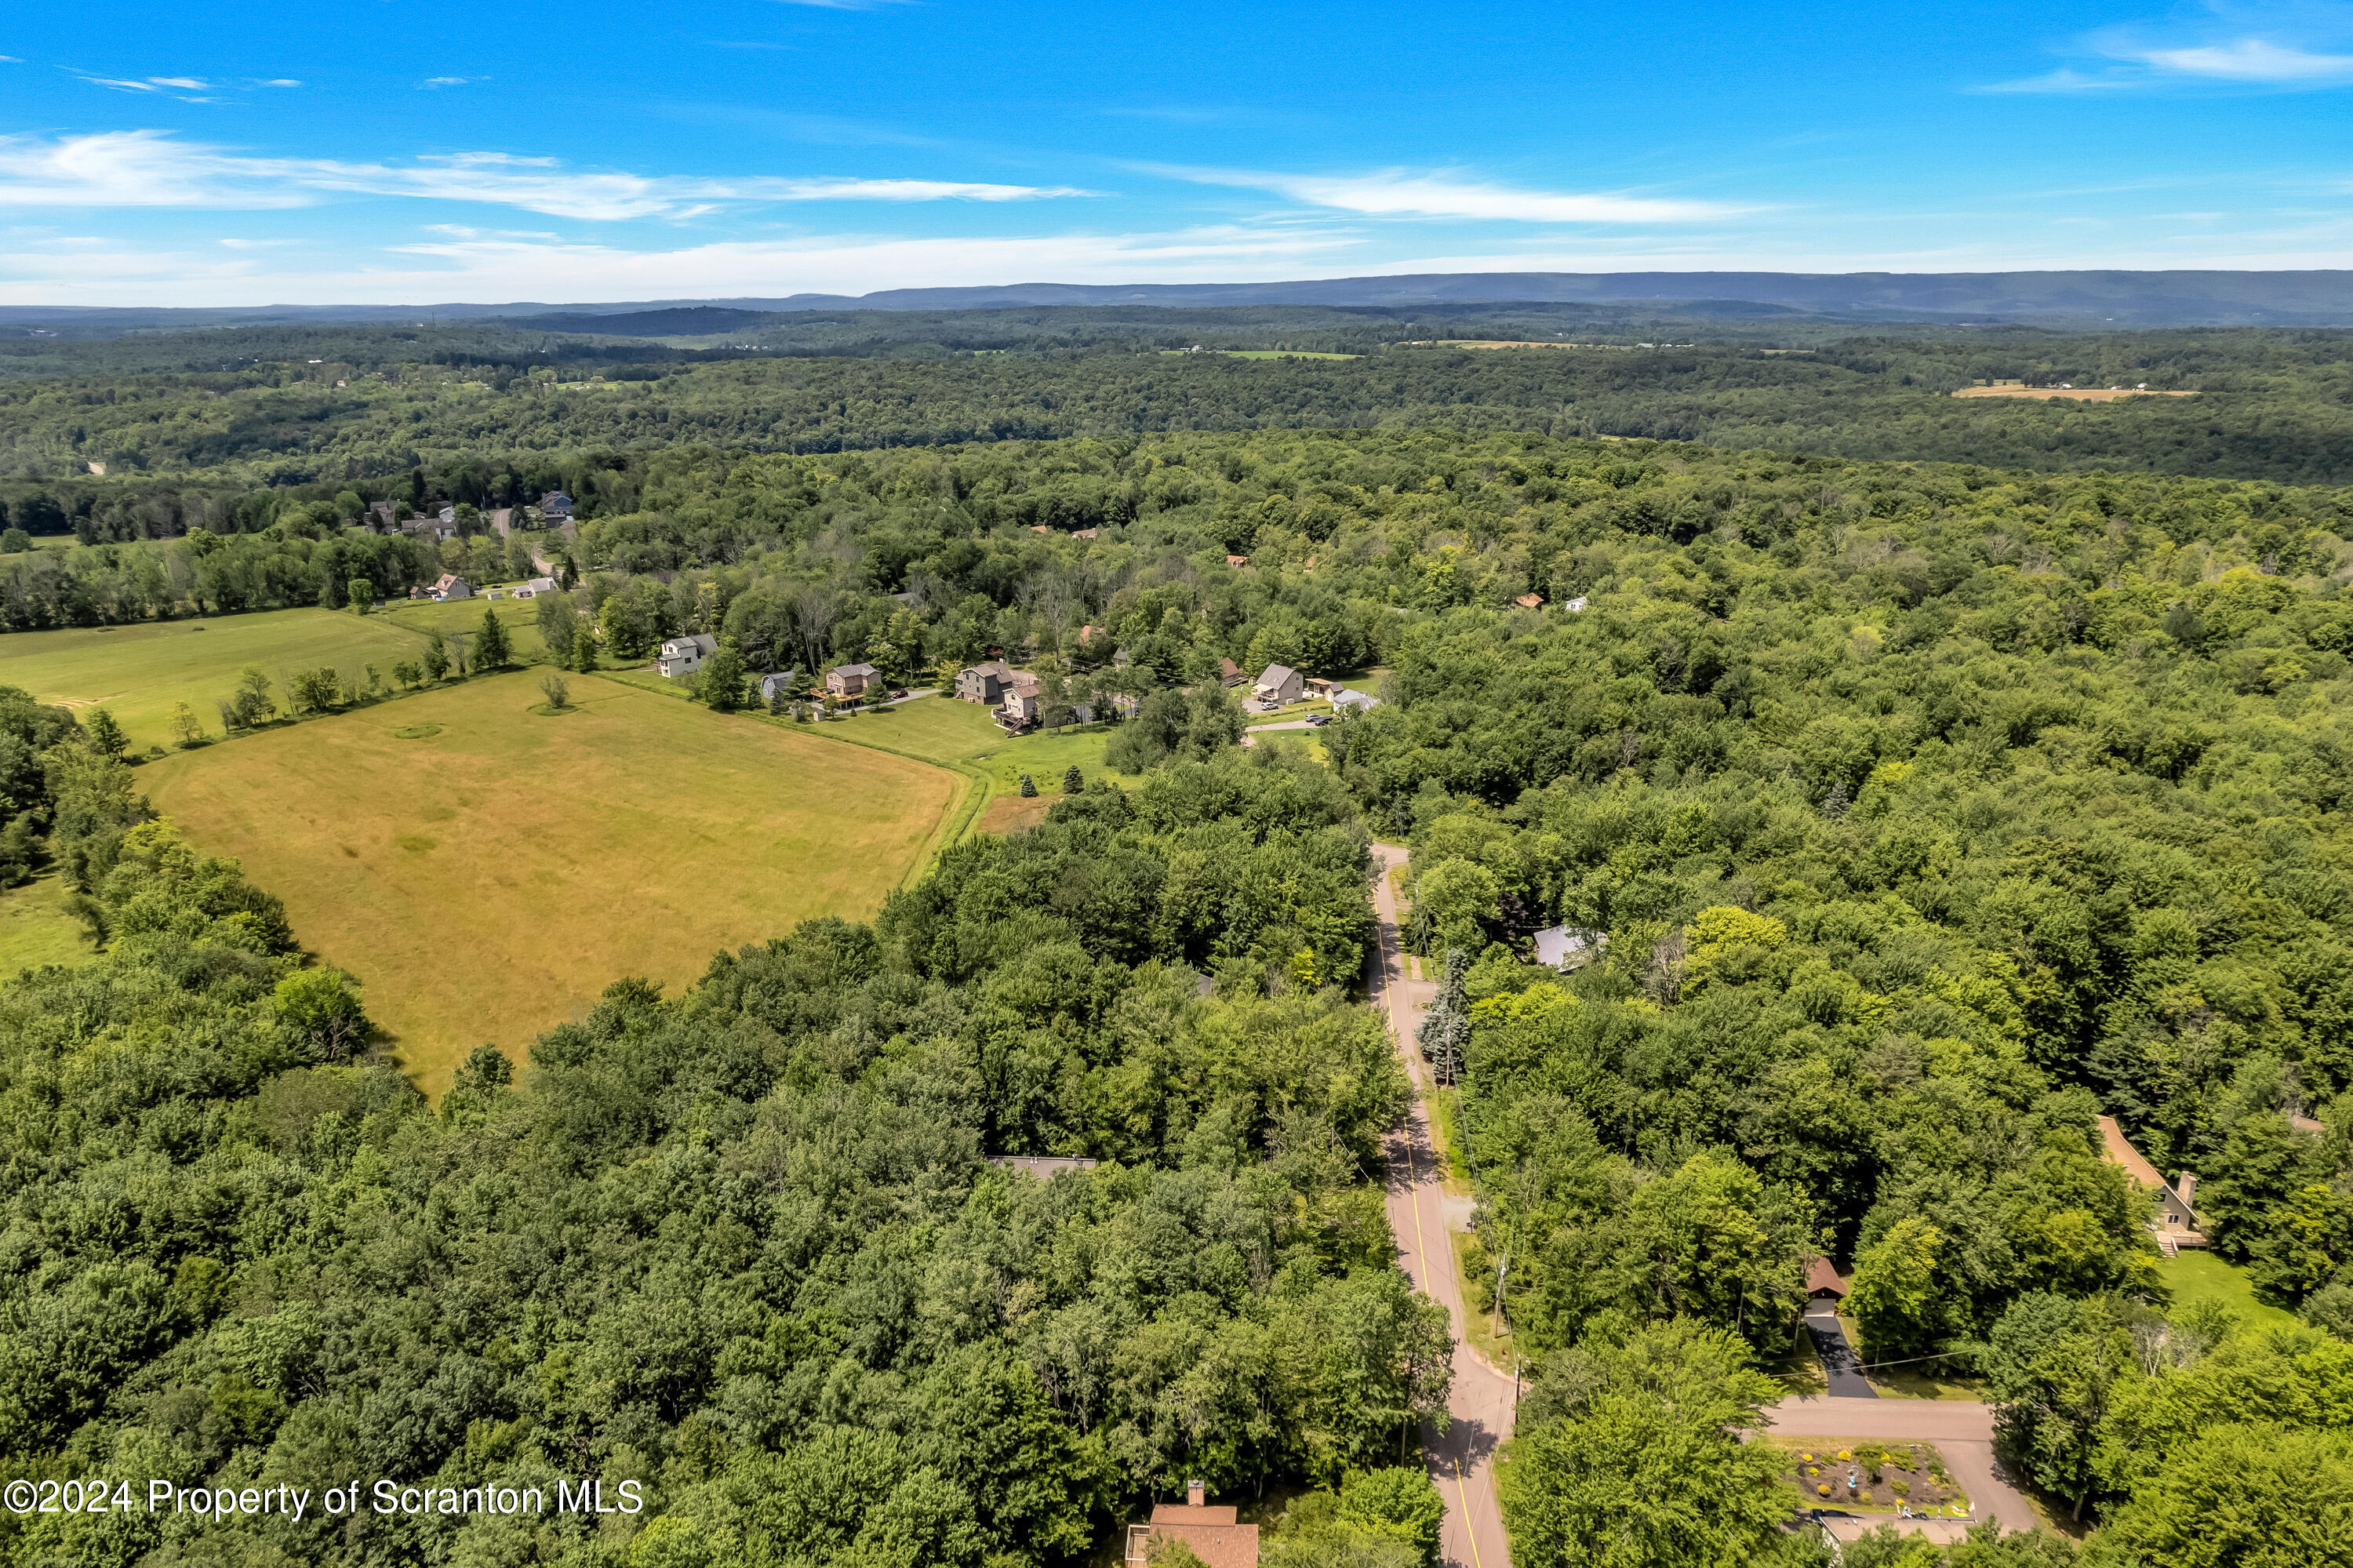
x: 1469, y: 1525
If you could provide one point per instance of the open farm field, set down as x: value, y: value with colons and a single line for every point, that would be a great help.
x: 2080, y: 394
x: 487, y: 880
x: 139, y: 672
x: 462, y: 617
x: 956, y: 734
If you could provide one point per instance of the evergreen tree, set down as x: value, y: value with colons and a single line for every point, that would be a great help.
x: 1073, y: 781
x: 1029, y: 788
x: 436, y: 658
x: 106, y: 736
x: 490, y: 650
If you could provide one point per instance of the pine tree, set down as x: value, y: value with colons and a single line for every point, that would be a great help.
x: 1029, y: 788
x: 491, y: 648
x: 1445, y: 1029
x: 1073, y: 781
x: 436, y: 658
x: 106, y: 736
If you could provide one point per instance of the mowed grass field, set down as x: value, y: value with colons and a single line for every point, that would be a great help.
x: 139, y: 672
x: 486, y: 881
x: 954, y: 734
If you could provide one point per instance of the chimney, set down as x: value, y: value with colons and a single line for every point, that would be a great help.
x: 1196, y: 1495
x: 2186, y: 1190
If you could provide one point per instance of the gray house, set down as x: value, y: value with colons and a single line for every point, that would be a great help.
x: 684, y: 655
x: 782, y: 681
x: 984, y: 684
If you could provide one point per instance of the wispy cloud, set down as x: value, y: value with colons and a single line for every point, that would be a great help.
x: 432, y: 81
x: 848, y: 5
x: 2065, y: 80
x: 2251, y: 59
x: 2299, y: 47
x: 150, y: 168
x: 186, y: 89
x: 1398, y: 192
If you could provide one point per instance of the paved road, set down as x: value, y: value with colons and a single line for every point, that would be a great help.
x: 1462, y: 1461
x: 1961, y: 1429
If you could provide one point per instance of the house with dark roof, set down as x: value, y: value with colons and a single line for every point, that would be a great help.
x: 684, y: 655
x: 984, y: 684
x: 1230, y: 671
x: 556, y: 506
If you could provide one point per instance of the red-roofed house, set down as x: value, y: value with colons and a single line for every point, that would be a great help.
x: 1213, y: 1533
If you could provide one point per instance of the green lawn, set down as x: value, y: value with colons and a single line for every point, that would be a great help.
x: 954, y: 735
x: 36, y: 930
x: 139, y: 672
x: 2198, y: 1276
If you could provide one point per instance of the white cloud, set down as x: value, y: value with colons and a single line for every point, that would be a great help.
x: 150, y: 168
x: 1397, y: 193
x: 499, y: 268
x: 444, y: 82
x: 2251, y: 59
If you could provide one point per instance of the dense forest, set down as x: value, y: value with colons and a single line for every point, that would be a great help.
x: 181, y: 449
x: 1924, y: 812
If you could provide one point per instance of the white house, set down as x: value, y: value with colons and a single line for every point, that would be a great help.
x: 684, y: 655
x: 782, y: 681
x: 1278, y: 684
x: 535, y: 588
x: 1361, y: 702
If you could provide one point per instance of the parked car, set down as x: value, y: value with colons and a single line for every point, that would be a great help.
x: 1317, y: 721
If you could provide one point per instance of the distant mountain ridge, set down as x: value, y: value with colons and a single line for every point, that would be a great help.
x: 2141, y: 298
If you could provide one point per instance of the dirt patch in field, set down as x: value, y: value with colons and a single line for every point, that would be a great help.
x: 2081, y: 394
x: 1012, y: 814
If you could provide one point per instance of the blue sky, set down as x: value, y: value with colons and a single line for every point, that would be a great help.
x: 417, y: 151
